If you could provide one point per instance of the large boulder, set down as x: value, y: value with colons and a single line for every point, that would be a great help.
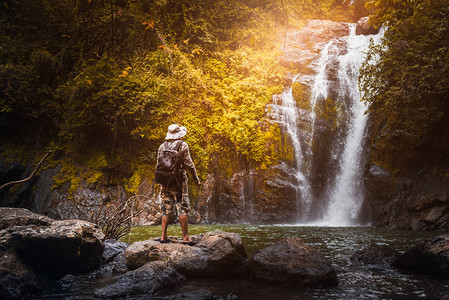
x: 69, y: 246
x: 217, y: 254
x: 430, y: 256
x: 226, y: 255
x: 292, y: 261
x: 21, y: 217
x: 36, y: 250
x: 375, y: 254
x: 145, y: 280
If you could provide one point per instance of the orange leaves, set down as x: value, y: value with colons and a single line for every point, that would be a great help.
x: 148, y: 24
x: 125, y: 72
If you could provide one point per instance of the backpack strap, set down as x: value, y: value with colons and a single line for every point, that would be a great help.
x: 177, y: 147
x: 179, y: 180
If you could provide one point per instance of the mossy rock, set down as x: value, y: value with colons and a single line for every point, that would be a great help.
x: 301, y: 94
x: 331, y: 111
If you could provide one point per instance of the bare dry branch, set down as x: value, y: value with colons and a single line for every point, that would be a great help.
x: 30, y: 177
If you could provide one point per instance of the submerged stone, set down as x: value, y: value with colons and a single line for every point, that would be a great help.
x: 201, y: 294
x: 292, y: 261
x: 375, y: 254
x: 430, y: 257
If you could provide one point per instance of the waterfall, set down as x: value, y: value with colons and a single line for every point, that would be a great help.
x: 347, y: 194
x: 336, y: 197
x: 284, y: 111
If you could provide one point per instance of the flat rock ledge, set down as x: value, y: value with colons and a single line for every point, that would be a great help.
x: 291, y: 261
x: 36, y: 250
x: 216, y: 254
x: 429, y: 257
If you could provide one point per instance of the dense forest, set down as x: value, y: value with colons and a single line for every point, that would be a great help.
x: 406, y: 88
x: 99, y: 81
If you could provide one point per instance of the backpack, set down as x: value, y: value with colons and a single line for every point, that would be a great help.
x: 168, y: 164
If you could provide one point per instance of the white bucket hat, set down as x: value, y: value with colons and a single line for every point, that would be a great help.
x: 175, y: 132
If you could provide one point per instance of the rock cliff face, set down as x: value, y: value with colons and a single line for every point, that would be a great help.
x: 407, y: 180
x: 41, y: 196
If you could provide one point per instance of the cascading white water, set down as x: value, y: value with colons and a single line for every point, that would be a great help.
x: 343, y: 195
x: 347, y: 196
x: 320, y: 83
x: 286, y: 114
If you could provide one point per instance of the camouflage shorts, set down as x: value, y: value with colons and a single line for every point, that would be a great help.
x: 170, y: 205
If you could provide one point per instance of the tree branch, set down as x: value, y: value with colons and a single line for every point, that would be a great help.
x: 30, y: 177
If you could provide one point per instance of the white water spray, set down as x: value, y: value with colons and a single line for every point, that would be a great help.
x: 346, y: 197
x: 286, y: 114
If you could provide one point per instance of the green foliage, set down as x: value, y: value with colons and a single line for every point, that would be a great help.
x: 409, y: 79
x: 405, y: 83
x: 102, y: 80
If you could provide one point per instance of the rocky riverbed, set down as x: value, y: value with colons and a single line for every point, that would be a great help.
x: 41, y: 256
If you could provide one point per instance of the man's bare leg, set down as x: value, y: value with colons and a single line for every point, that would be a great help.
x: 184, y: 221
x: 164, y: 223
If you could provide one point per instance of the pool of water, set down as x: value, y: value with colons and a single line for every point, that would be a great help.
x: 337, y: 244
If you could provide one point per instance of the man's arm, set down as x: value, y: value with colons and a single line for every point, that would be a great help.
x: 188, y: 163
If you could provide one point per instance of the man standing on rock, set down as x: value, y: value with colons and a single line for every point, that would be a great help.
x: 176, y: 197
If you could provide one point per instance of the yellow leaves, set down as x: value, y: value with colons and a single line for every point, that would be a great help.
x: 197, y: 51
x: 66, y: 36
x: 89, y: 81
x: 5, y: 4
x: 186, y: 41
